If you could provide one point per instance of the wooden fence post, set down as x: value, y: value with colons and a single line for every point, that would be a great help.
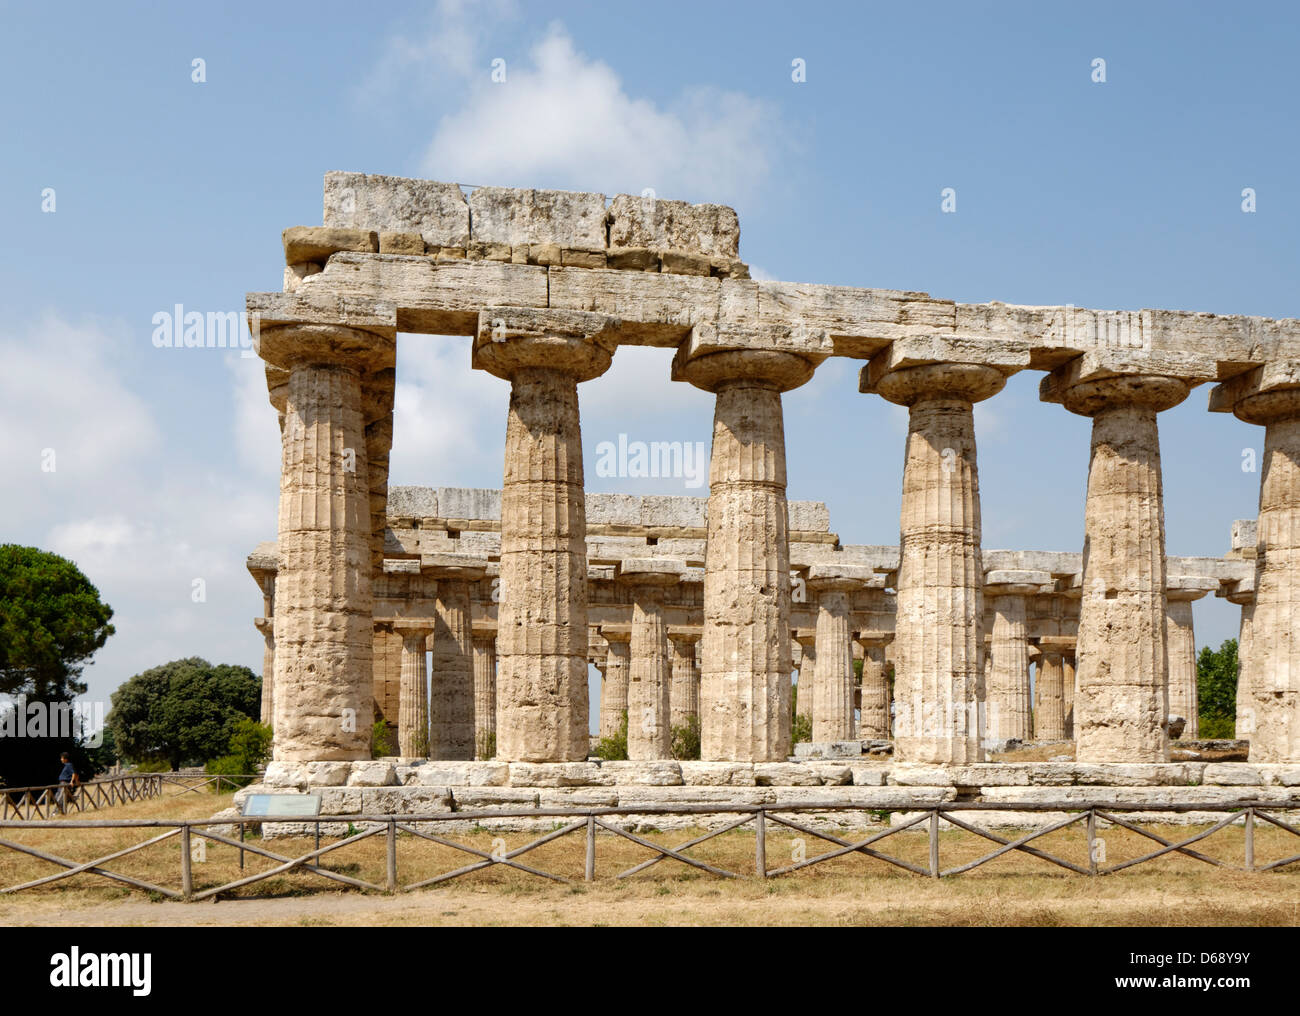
x: 392, y: 854
x: 934, y: 843
x: 187, y: 872
x: 1250, y: 839
x: 1092, y: 841
x: 760, y: 844
x: 590, y: 873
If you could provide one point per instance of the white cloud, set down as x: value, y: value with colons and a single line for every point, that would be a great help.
x: 566, y: 119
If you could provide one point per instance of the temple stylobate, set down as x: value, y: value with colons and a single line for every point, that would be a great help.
x: 547, y: 285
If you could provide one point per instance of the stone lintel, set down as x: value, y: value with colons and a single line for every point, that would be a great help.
x: 319, y: 307
x: 1056, y: 643
x: 398, y: 622
x: 317, y: 243
x: 435, y: 210
x: 1103, y: 364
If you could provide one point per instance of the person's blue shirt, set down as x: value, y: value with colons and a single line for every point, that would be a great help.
x: 69, y: 771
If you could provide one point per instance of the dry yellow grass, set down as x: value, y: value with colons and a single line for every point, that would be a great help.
x: 1014, y: 889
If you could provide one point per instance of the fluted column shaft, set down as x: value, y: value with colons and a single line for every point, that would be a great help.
x: 1273, y: 681
x: 873, y: 716
x: 1121, y: 709
x: 613, y: 692
x: 649, y: 731
x: 485, y: 693
x: 1049, y: 718
x: 807, y: 696
x: 451, y: 699
x: 266, y: 625
x: 413, y: 697
x: 323, y: 701
x: 1070, y: 681
x: 1009, y: 709
x: 1245, y: 717
x: 1181, y: 641
x: 832, y: 706
x: 939, y: 639
x: 684, y: 699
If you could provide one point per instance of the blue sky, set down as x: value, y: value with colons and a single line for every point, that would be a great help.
x: 1120, y: 195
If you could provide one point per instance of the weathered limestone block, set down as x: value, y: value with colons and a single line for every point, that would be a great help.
x: 651, y: 222
x: 437, y: 211
x: 745, y: 683
x: 786, y: 774
x: 542, y: 621
x: 323, y: 598
x: 613, y: 691
x: 485, y: 695
x: 717, y: 774
x: 373, y: 774
x: 649, y: 728
x: 400, y: 243
x: 1121, y: 704
x: 869, y: 775
x: 413, y: 705
x: 566, y: 774
x: 455, y: 774
x: 473, y: 798
x: 316, y: 244
x: 577, y: 797
x: 661, y: 773
x: 564, y: 218
x: 637, y: 796
x: 832, y: 774
x: 939, y: 642
x: 1008, y: 707
x: 1232, y: 774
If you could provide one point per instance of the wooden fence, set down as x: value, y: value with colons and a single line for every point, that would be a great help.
x: 27, y: 803
x: 590, y: 821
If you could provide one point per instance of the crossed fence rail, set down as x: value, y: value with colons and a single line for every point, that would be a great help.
x: 26, y: 803
x: 589, y: 821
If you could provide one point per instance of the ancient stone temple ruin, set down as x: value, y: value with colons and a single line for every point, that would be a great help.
x: 466, y: 620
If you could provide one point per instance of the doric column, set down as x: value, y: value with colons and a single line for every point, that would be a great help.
x: 451, y: 694
x: 939, y: 636
x: 873, y: 713
x: 1121, y: 703
x: 1180, y: 592
x: 1049, y: 716
x: 684, y: 699
x: 649, y: 721
x: 413, y: 701
x: 323, y: 696
x: 1069, y: 681
x: 745, y: 690
x: 485, y: 694
x: 266, y: 625
x: 832, y: 706
x: 613, y: 693
x: 1008, y: 706
x: 806, y: 640
x: 1243, y: 595
x: 1270, y: 396
x: 542, y: 619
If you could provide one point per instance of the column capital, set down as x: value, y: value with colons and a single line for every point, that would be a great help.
x: 1016, y: 582
x: 511, y: 339
x: 1112, y: 378
x: 1189, y: 587
x: 652, y: 572
x: 294, y: 345
x: 453, y: 567
x: 616, y: 634
x: 412, y: 627
x: 1262, y: 395
x: 844, y: 578
x: 924, y: 367
x: 690, y: 637
x: 781, y: 357
x: 266, y: 625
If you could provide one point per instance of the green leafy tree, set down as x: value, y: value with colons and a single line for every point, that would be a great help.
x: 686, y: 740
x: 184, y: 712
x: 801, y: 729
x: 250, y: 747
x: 52, y: 622
x: 1216, y: 690
x: 614, y: 749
